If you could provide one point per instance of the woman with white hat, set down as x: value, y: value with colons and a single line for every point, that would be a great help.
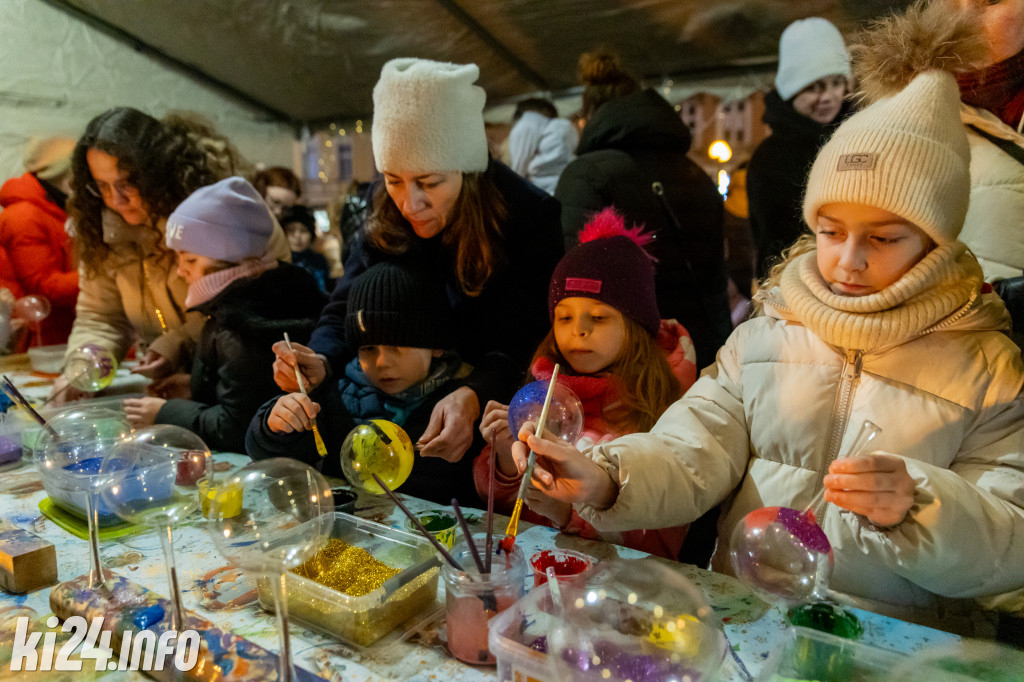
x: 493, y: 238
x: 806, y: 106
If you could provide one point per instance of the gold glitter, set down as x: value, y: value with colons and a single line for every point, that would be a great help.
x: 345, y: 568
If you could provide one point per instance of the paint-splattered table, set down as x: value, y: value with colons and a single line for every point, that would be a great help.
x: 227, y: 596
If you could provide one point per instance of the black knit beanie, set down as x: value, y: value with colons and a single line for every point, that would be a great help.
x: 609, y: 265
x: 299, y: 214
x: 392, y: 305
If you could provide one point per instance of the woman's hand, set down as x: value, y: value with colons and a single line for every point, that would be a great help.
x: 175, y: 386
x: 495, y: 430
x: 142, y: 411
x: 63, y: 393
x: 291, y: 413
x: 154, y: 366
x: 563, y: 472
x: 450, y: 431
x: 877, y: 487
x: 309, y: 363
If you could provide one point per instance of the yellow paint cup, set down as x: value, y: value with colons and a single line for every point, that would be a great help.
x: 230, y: 499
x: 439, y: 524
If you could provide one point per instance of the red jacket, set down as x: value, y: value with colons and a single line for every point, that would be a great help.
x: 37, y: 249
x: 595, y: 393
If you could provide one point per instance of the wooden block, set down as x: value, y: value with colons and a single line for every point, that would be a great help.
x: 27, y: 562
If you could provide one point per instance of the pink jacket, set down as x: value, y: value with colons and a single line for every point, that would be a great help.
x: 598, y: 393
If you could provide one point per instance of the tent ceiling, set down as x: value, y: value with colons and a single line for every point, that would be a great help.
x: 313, y: 61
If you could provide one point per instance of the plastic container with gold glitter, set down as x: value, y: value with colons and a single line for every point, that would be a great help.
x: 369, y: 581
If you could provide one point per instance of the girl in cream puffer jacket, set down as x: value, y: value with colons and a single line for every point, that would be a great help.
x: 885, y: 316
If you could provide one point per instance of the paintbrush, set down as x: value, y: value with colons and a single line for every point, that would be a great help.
x: 419, y: 525
x: 490, y: 508
x: 513, y: 524
x: 320, y: 447
x: 14, y: 394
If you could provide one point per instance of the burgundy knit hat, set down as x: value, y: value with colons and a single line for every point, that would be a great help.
x: 609, y: 265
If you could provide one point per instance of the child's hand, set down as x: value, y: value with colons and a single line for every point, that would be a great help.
x: 545, y: 505
x: 563, y: 472
x: 291, y: 413
x: 309, y: 363
x: 495, y: 430
x: 142, y: 411
x: 877, y: 487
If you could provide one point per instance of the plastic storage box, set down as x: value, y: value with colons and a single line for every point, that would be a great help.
x: 403, y: 601
x: 515, y: 629
x: 47, y: 359
x: 806, y: 654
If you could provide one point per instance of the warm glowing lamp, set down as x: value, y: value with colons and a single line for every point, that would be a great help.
x: 720, y: 151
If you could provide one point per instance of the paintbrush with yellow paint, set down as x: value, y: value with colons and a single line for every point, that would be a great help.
x: 513, y: 524
x: 320, y: 447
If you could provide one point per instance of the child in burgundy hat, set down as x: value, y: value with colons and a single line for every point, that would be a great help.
x: 623, y: 361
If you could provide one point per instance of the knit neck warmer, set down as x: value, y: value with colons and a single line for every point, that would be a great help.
x: 599, y: 394
x: 937, y: 291
x: 998, y: 88
x: 364, y: 401
x: 208, y: 286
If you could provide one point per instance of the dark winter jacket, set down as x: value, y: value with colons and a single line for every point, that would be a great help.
x: 627, y: 145
x: 315, y: 264
x: 353, y: 400
x: 231, y: 374
x: 498, y: 330
x: 33, y: 240
x: 777, y: 175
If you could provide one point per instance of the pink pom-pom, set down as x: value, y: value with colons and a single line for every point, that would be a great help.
x: 611, y: 223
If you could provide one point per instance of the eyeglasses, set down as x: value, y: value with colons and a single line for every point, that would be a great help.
x: 102, y: 190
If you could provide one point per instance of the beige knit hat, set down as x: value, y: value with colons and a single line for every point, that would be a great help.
x: 49, y: 157
x: 428, y: 116
x: 907, y: 153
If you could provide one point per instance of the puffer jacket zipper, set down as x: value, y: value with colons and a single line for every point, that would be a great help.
x: 839, y: 421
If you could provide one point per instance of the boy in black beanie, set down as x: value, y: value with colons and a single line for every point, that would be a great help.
x: 399, y: 320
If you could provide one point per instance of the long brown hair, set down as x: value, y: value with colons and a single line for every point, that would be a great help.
x: 645, y: 379
x: 473, y: 234
x: 164, y: 160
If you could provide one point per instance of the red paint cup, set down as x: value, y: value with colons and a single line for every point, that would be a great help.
x: 568, y: 565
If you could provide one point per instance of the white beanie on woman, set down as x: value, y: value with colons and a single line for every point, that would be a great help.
x: 809, y: 50
x: 428, y: 117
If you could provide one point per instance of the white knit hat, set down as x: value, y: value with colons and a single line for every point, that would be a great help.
x: 907, y: 154
x: 809, y: 50
x: 428, y: 117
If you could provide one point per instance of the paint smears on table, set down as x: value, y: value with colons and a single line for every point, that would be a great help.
x: 348, y: 569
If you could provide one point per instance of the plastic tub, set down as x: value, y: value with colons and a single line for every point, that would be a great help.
x: 47, y: 359
x: 381, y: 616
x: 812, y: 655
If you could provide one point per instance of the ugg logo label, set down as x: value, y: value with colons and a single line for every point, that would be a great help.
x: 174, y: 231
x: 591, y: 286
x: 856, y: 162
